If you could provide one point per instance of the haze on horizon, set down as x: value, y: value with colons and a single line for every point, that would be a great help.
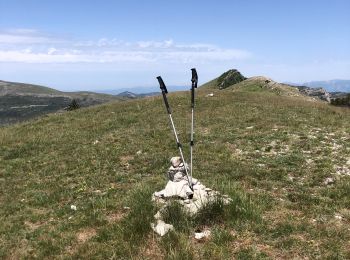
x: 88, y: 45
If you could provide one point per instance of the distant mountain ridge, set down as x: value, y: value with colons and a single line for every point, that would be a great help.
x: 143, y: 91
x: 133, y: 95
x: 334, y: 85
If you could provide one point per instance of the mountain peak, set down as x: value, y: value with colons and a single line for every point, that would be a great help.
x: 229, y: 78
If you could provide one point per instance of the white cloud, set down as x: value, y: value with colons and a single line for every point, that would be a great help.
x: 154, y: 44
x: 51, y: 51
x: 21, y: 39
x: 30, y: 46
x: 23, y: 36
x: 55, y: 56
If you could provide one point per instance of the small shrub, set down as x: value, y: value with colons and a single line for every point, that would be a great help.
x: 73, y: 105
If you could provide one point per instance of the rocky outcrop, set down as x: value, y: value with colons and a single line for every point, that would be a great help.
x: 229, y: 78
x: 290, y: 90
x: 178, y: 189
x: 320, y: 93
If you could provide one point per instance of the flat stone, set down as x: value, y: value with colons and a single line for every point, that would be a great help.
x: 199, y: 187
x: 329, y: 181
x: 158, y: 215
x: 201, y: 235
x: 195, y: 181
x: 161, y: 228
x: 200, y: 194
x: 175, y: 161
x: 178, y: 176
x: 179, y: 189
x: 172, y: 171
x: 159, y: 194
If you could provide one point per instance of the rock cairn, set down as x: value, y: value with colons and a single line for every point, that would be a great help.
x: 178, y: 188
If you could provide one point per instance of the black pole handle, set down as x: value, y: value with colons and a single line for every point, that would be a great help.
x: 194, y: 77
x: 194, y: 85
x: 164, y: 92
x: 162, y: 85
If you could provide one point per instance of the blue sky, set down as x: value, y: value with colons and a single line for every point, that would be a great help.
x: 91, y: 45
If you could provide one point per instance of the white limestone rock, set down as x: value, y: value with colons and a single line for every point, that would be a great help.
x: 201, y: 235
x: 177, y: 189
x: 158, y: 216
x: 161, y: 228
x: 172, y: 171
x: 178, y: 176
x: 329, y: 181
x: 175, y: 161
x: 195, y: 181
x: 192, y: 200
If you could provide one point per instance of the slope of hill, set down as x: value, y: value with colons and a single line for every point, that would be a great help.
x: 21, y: 101
x: 284, y: 161
x: 15, y: 88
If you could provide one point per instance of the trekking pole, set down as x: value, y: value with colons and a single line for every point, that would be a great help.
x: 164, y: 92
x: 194, y: 85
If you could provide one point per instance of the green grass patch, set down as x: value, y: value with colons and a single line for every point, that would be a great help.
x: 270, y: 152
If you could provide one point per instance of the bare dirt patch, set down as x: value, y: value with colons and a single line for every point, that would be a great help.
x: 32, y: 226
x: 86, y: 234
x: 115, y: 217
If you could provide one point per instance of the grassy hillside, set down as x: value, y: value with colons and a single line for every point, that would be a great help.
x: 11, y: 88
x: 262, y: 84
x: 20, y: 101
x: 271, y: 153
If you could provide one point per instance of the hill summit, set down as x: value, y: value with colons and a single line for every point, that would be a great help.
x: 225, y: 80
x: 229, y: 78
x: 233, y: 78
